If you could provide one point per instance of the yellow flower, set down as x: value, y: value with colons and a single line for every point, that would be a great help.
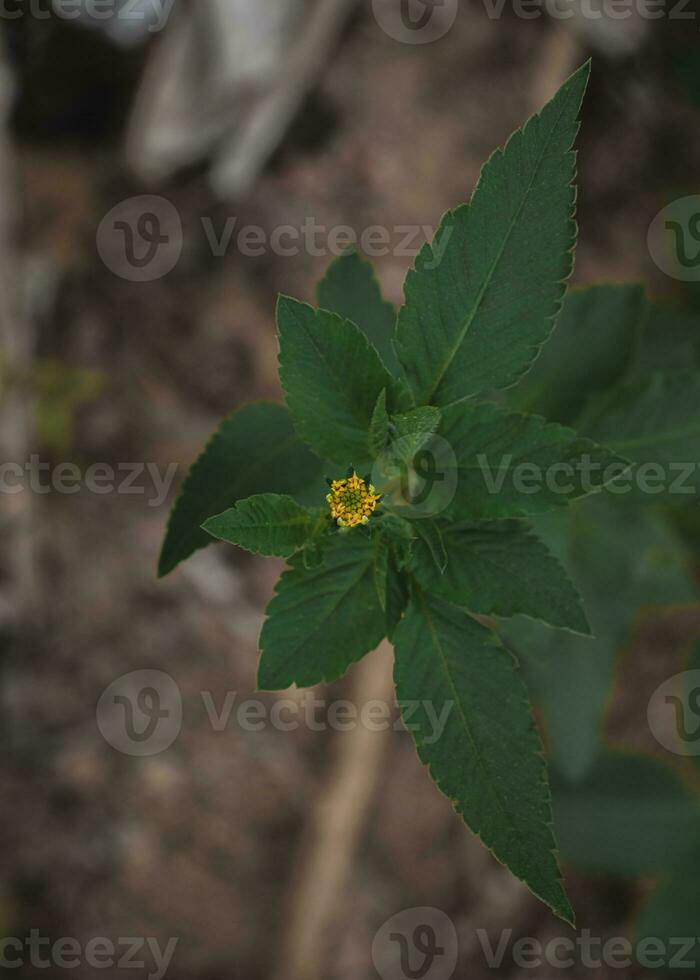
x: 352, y: 501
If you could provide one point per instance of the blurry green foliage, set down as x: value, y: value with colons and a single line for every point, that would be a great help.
x: 59, y: 391
x: 56, y: 392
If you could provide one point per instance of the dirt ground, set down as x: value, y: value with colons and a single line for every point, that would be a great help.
x: 202, y: 842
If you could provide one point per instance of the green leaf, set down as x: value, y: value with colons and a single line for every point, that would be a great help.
x: 254, y: 450
x: 312, y: 555
x: 629, y: 555
x: 332, y: 378
x: 669, y: 340
x: 510, y: 465
x: 350, y: 289
x: 381, y: 567
x: 685, y: 520
x: 683, y: 66
x: 671, y: 921
x: 431, y: 557
x: 322, y: 620
x: 590, y: 350
x: 397, y: 595
x: 501, y: 569
x: 652, y: 421
x: 379, y: 426
x: 488, y: 759
x: 691, y: 696
x: 631, y: 815
x: 483, y: 297
x: 266, y: 524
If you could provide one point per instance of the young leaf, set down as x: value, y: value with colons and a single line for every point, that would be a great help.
x: 419, y: 424
x: 254, y: 450
x: 397, y: 528
x: 322, y: 620
x: 266, y: 524
x: 501, y: 569
x: 350, y: 289
x: 379, y: 426
x: 488, y: 758
x: 590, y: 350
x: 332, y: 378
x: 413, y: 430
x: 509, y: 465
x: 654, y: 420
x: 483, y: 298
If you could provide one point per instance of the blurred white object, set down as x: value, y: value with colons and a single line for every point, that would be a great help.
x: 126, y: 22
x: 214, y: 57
x: 601, y: 25
x: 225, y: 80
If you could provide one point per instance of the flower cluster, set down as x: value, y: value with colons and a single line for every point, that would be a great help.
x: 352, y: 500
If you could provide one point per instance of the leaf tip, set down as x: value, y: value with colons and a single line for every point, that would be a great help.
x: 284, y: 302
x: 164, y: 566
x: 167, y: 559
x: 580, y: 78
x: 566, y: 913
x: 209, y: 526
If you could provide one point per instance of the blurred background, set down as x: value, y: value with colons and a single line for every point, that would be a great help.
x: 150, y: 154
